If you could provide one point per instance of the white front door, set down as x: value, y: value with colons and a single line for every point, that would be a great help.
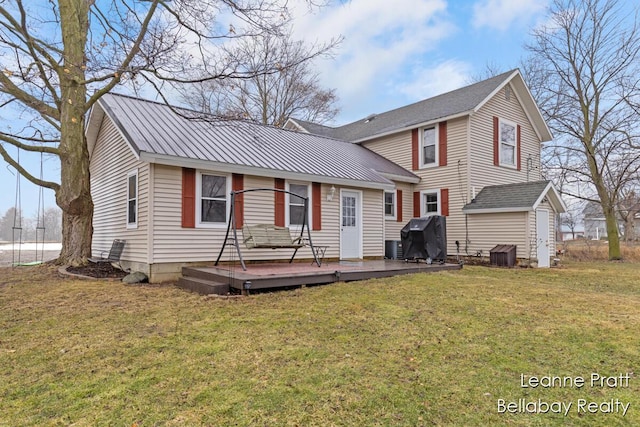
x: 350, y: 224
x: 542, y: 240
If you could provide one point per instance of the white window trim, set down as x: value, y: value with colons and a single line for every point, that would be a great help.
x: 287, y: 201
x: 394, y: 216
x: 199, y: 223
x: 424, y: 165
x: 137, y: 198
x: 515, y: 143
x: 423, y: 212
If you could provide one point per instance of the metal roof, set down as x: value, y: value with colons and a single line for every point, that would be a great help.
x: 524, y: 196
x: 163, y: 134
x: 456, y: 103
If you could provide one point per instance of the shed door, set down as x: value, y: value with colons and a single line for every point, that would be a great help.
x: 542, y: 232
x: 350, y: 224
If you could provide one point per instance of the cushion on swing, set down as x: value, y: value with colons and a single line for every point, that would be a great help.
x: 269, y: 236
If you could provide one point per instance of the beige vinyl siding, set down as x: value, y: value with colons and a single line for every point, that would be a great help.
x: 483, y: 171
x: 373, y: 223
x: 391, y: 226
x: 173, y: 243
x: 111, y: 162
x: 489, y: 230
x: 453, y: 176
x: 396, y: 147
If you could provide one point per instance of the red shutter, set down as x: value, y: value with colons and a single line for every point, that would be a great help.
x: 518, y: 149
x: 237, y: 184
x: 399, y: 205
x: 496, y: 143
x: 444, y: 201
x: 316, y: 200
x: 415, y: 150
x: 416, y: 204
x: 188, y: 198
x: 279, y: 202
x: 442, y: 144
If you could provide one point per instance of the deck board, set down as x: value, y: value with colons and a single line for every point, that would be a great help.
x: 281, y: 275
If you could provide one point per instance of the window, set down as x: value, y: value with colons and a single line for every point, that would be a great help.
x: 132, y: 199
x: 507, y: 139
x: 389, y: 205
x: 212, y: 199
x: 296, y: 204
x: 429, y: 147
x: 430, y: 202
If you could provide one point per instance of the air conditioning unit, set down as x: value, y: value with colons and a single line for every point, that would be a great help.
x: 393, y: 249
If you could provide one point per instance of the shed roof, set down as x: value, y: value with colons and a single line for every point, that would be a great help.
x: 459, y: 102
x: 159, y: 133
x: 524, y: 196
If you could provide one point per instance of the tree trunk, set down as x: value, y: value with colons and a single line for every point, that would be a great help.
x: 612, y: 233
x: 74, y: 195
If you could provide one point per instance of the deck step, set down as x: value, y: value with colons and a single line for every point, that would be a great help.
x: 203, y: 286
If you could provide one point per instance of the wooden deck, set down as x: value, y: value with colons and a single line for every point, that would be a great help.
x: 230, y: 278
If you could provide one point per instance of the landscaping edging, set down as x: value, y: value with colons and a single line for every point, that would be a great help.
x: 63, y: 270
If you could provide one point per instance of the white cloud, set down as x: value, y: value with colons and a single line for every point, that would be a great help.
x: 444, y: 77
x: 381, y: 41
x: 502, y: 14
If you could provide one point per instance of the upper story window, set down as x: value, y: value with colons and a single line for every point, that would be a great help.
x: 132, y: 199
x: 211, y: 195
x: 508, y: 143
x: 429, y: 147
x: 296, y: 203
x: 389, y: 205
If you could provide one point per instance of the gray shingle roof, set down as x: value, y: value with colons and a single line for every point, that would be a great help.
x: 157, y: 129
x: 512, y: 197
x: 448, y: 104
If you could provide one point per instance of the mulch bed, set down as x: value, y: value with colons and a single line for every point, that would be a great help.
x: 101, y: 270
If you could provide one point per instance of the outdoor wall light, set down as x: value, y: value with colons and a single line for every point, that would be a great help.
x: 331, y: 193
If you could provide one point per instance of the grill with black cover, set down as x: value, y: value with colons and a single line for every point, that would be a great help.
x: 425, y: 238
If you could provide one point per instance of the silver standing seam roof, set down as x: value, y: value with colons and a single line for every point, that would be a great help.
x: 159, y: 133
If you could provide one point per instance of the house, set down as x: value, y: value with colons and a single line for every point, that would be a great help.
x: 161, y: 178
x: 595, y: 227
x: 467, y: 147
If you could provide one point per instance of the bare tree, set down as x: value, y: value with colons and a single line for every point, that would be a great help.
x: 571, y: 219
x: 583, y: 71
x: 59, y: 57
x: 270, y: 98
x: 11, y: 218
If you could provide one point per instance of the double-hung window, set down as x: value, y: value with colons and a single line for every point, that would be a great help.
x: 429, y: 147
x: 212, y: 199
x: 430, y: 202
x: 132, y: 199
x: 507, y: 139
x: 389, y: 205
x: 296, y: 203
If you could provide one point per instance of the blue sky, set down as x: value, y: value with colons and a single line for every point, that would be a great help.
x: 394, y: 53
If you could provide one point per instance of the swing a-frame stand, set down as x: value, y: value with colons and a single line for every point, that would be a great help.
x: 267, y: 235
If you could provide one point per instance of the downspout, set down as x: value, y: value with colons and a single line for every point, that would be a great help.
x: 466, y: 216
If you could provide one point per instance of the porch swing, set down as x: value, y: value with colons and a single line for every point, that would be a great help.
x: 16, y: 229
x: 267, y: 236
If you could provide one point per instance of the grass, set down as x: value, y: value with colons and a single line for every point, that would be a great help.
x: 435, y: 349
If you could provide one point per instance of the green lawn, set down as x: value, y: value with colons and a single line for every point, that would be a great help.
x: 437, y: 349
